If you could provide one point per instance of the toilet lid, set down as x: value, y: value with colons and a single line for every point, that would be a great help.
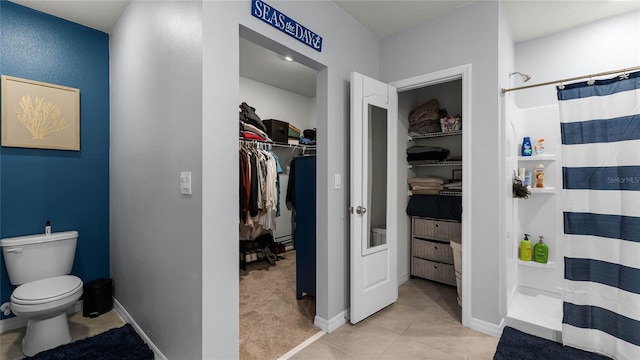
x: 46, y: 290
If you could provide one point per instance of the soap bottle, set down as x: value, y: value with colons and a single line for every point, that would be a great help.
x: 526, y: 147
x: 538, y: 174
x: 541, y: 252
x: 525, y: 248
x: 538, y: 148
x: 47, y: 228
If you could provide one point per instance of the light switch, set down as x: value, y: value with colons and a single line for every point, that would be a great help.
x: 185, y: 182
x: 337, y: 181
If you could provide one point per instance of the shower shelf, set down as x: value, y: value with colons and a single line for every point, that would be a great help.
x: 546, y: 190
x: 543, y: 157
x: 549, y: 265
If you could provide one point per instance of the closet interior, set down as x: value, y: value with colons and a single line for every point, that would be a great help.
x: 277, y: 171
x: 434, y: 121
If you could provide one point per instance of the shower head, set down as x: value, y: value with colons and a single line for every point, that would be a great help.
x: 525, y: 77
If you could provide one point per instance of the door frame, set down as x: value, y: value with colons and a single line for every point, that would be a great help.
x: 462, y: 72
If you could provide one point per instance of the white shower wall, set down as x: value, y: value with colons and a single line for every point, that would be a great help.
x: 533, y: 290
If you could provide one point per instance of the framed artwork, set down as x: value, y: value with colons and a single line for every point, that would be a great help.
x: 40, y: 115
x: 457, y: 174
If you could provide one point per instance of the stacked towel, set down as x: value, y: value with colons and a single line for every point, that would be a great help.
x: 426, y: 185
x: 454, y: 186
x: 418, y: 155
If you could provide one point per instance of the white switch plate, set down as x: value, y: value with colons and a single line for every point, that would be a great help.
x: 185, y: 182
x: 337, y: 181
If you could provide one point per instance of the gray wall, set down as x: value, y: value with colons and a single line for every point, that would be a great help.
x: 606, y: 45
x: 156, y: 125
x: 347, y: 47
x: 466, y: 35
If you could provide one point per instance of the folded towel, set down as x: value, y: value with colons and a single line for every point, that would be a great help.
x: 420, y: 149
x: 425, y: 192
x: 428, y: 179
x: 426, y: 187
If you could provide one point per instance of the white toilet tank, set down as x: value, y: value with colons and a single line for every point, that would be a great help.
x: 36, y: 257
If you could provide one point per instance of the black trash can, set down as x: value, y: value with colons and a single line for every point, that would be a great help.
x: 98, y: 297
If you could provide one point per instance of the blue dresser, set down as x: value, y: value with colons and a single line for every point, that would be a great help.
x: 305, y: 225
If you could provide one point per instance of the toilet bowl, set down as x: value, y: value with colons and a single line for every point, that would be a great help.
x: 43, y: 304
x: 39, y: 265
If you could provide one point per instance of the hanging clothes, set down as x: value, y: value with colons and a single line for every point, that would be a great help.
x: 258, y: 188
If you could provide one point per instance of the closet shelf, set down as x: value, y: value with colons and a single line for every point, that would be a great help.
x: 441, y: 163
x: 442, y: 192
x: 302, y: 147
x: 435, y: 134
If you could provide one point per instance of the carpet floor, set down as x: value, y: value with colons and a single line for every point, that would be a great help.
x: 272, y: 320
x: 116, y: 344
x: 515, y: 344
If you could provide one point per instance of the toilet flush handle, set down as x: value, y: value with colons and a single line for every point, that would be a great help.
x: 14, y: 250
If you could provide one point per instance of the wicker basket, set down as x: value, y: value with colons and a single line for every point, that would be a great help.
x: 436, y: 229
x: 433, y: 270
x: 432, y: 250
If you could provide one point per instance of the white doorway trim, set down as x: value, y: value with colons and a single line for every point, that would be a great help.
x: 462, y: 72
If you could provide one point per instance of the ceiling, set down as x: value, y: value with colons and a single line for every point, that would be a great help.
x: 528, y: 20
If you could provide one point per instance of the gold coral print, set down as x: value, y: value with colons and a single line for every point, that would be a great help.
x: 40, y: 117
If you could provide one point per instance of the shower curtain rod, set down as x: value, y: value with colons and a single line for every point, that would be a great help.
x: 626, y: 70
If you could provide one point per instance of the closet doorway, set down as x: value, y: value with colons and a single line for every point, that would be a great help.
x: 278, y: 267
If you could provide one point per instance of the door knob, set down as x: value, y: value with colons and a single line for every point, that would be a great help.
x: 361, y: 210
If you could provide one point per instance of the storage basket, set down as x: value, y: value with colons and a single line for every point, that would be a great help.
x: 378, y: 235
x: 444, y: 273
x: 436, y: 229
x: 451, y: 123
x: 432, y: 250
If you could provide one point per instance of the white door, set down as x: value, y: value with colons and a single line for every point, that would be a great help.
x: 374, y: 283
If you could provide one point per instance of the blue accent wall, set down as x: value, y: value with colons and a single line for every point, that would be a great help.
x: 70, y: 188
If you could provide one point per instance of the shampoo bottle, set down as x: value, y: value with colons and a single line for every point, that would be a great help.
x: 526, y: 147
x: 538, y: 174
x: 541, y: 251
x: 47, y: 228
x: 538, y: 148
x: 525, y: 249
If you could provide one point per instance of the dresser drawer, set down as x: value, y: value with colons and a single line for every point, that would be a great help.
x: 433, y: 271
x: 432, y: 250
x: 436, y: 229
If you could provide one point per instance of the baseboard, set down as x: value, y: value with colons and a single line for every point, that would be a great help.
x: 488, y: 328
x: 403, y: 279
x: 330, y: 325
x: 304, y: 344
x: 127, y: 318
x: 14, y: 322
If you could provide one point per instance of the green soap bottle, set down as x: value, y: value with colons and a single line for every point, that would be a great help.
x: 525, y: 248
x: 541, y: 251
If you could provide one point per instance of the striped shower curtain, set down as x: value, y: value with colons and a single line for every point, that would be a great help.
x: 600, y: 126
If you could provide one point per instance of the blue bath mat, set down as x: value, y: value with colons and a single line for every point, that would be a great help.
x: 515, y: 344
x: 116, y: 344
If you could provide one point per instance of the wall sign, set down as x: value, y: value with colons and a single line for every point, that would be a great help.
x: 282, y: 22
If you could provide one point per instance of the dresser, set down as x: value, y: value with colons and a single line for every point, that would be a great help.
x: 305, y: 227
x: 431, y: 253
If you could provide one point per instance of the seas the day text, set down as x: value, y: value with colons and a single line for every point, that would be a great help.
x: 275, y: 18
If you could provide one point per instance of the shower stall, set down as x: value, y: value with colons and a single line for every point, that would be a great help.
x: 533, y: 290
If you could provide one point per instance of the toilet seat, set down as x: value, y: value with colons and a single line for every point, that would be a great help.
x: 46, y: 290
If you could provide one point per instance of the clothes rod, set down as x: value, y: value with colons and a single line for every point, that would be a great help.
x: 623, y: 71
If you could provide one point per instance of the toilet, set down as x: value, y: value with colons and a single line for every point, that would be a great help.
x: 40, y: 266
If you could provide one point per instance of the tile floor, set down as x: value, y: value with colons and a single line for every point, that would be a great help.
x: 80, y: 327
x: 425, y: 323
